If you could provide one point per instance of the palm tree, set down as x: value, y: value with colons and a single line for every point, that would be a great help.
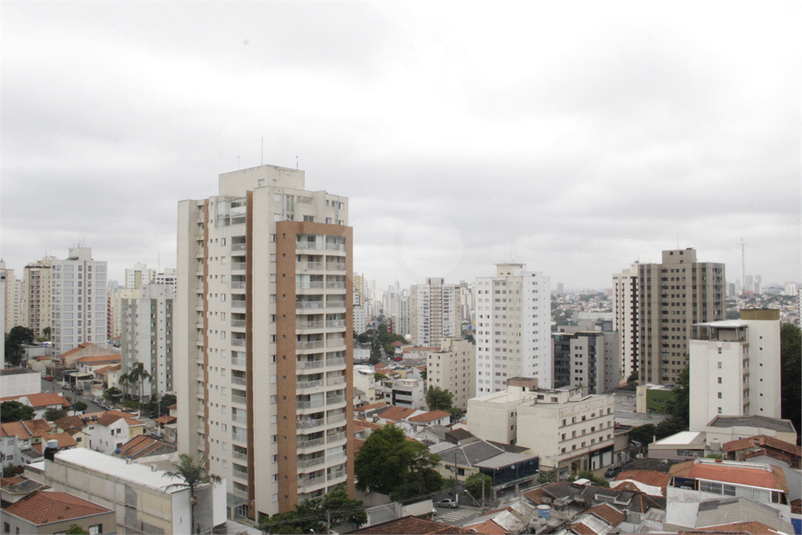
x: 137, y: 374
x: 194, y: 476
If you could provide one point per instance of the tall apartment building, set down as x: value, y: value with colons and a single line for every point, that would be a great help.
x: 78, y: 305
x: 513, y: 328
x: 168, y: 277
x: 138, y: 275
x: 434, y: 312
x: 36, y: 298
x: 12, y: 299
x: 735, y: 368
x: 264, y: 336
x: 655, y: 307
x: 587, y: 358
x: 147, y: 335
x: 452, y: 368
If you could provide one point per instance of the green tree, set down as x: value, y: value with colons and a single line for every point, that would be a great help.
x: 319, y: 514
x: 15, y: 339
x: 389, y: 463
x: 479, y: 485
x: 790, y: 350
x: 376, y: 352
x: 14, y: 411
x: 54, y: 414
x: 193, y: 476
x: 80, y: 406
x: 136, y: 375
x: 587, y: 474
x: 633, y: 378
x: 643, y: 434
x: 109, y: 393
x: 167, y: 401
x: 439, y: 399
x: 75, y: 529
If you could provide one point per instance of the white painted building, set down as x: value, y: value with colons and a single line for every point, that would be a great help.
x: 408, y: 393
x: 434, y: 312
x: 452, y: 368
x: 570, y: 432
x: 147, y: 336
x: 78, y: 290
x: 138, y: 276
x: 513, y: 328
x: 263, y: 339
x: 111, y: 430
x: 735, y: 368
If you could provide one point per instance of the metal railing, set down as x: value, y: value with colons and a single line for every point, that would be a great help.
x: 335, y: 362
x: 310, y: 344
x: 332, y: 266
x: 310, y: 404
x: 315, y: 246
x: 308, y: 384
x: 238, y: 323
x: 309, y: 266
x: 335, y: 247
x: 238, y: 304
x: 239, y: 342
x: 312, y: 285
x: 311, y: 443
x: 310, y: 324
x: 334, y: 400
x: 310, y: 364
x: 239, y: 437
x: 242, y: 400
x: 238, y: 266
x: 306, y: 305
x: 305, y: 463
x: 237, y: 285
x: 309, y: 424
x: 238, y: 380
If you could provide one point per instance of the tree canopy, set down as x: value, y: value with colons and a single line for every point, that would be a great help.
x: 14, y: 411
x: 15, y: 338
x: 439, y: 399
x: 390, y: 464
x: 791, y: 347
x: 474, y: 485
x: 52, y: 415
x: 311, y: 514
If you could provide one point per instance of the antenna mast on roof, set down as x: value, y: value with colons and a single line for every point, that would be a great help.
x: 743, y: 266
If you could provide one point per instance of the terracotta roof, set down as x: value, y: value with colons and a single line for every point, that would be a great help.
x: 70, y: 421
x: 10, y: 429
x: 41, y: 400
x: 727, y: 473
x: 581, y: 529
x: 167, y: 419
x: 363, y: 424
x: 753, y: 527
x: 762, y: 440
x: 608, y: 513
x: 411, y: 525
x: 112, y: 357
x: 44, y: 507
x: 43, y: 357
x: 536, y: 495
x: 429, y: 416
x: 65, y: 440
x: 11, y: 481
x: 488, y: 528
x: 372, y: 406
x: 38, y: 428
x: 397, y: 414
x: 141, y: 446
x: 76, y: 349
x: 172, y: 407
x: 112, y: 368
x: 647, y: 477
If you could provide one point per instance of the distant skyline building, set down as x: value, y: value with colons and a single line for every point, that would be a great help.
x: 435, y: 312
x: 586, y: 356
x: 12, y: 309
x: 78, y: 290
x: 735, y: 368
x: 36, y: 296
x: 263, y: 340
x: 452, y: 368
x: 139, y: 275
x: 513, y: 328
x: 655, y: 307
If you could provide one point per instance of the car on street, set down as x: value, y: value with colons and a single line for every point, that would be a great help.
x: 612, y: 472
x: 447, y: 504
x: 47, y: 377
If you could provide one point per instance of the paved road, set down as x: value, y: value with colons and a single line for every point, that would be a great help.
x: 54, y: 386
x: 458, y: 516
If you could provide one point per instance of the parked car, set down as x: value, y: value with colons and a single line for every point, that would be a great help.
x: 448, y: 504
x: 612, y: 472
x: 47, y: 377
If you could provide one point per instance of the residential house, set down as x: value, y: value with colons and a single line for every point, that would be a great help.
x: 49, y: 512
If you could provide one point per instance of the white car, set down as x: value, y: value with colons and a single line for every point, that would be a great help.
x: 448, y: 504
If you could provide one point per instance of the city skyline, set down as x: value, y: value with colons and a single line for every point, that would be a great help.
x: 574, y: 143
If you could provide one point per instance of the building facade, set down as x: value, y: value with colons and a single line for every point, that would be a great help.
x: 147, y: 336
x: 138, y: 276
x: 735, y: 368
x: 36, y: 295
x: 78, y: 290
x: 588, y: 359
x: 264, y: 337
x: 655, y: 307
x: 452, y: 368
x: 513, y: 328
x: 435, y: 312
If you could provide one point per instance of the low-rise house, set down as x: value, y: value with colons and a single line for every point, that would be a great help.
x: 28, y: 432
x: 748, y: 448
x: 703, y: 480
x: 87, y: 349
x: 54, y: 512
x: 680, y: 446
x: 724, y: 429
x: 145, y: 446
x: 598, y: 520
x: 649, y: 478
x: 42, y: 402
x: 13, y: 489
x: 411, y: 525
x: 141, y: 496
x: 111, y: 430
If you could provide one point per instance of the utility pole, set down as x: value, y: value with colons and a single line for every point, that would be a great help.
x: 328, y: 522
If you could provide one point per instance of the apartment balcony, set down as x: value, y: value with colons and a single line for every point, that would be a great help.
x: 238, y: 342
x: 335, y: 362
x: 305, y: 267
x: 335, y: 266
x: 310, y: 285
x: 309, y: 305
x: 238, y: 266
x: 308, y: 385
x: 315, y: 404
x: 238, y: 381
x: 332, y: 381
x: 238, y: 247
x: 238, y: 285
x: 336, y: 475
x: 335, y: 286
x: 238, y: 304
x: 239, y: 437
x: 336, y: 418
x: 309, y: 325
x: 335, y: 324
x: 311, y: 364
x: 308, y: 444
x: 242, y: 476
x: 239, y: 494
x: 311, y: 424
x: 335, y: 439
x: 241, y: 400
x: 238, y: 324
x: 309, y: 246
x: 308, y: 482
x: 239, y: 418
x: 334, y: 400
x: 239, y: 456
x: 310, y: 344
x: 335, y: 457
x: 335, y: 343
x: 306, y: 463
x: 235, y: 362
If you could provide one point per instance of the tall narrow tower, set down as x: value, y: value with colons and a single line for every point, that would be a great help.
x: 263, y: 341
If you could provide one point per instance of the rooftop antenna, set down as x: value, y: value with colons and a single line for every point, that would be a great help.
x: 296, y: 163
x: 262, y: 157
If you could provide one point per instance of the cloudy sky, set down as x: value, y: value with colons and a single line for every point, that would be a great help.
x: 574, y: 137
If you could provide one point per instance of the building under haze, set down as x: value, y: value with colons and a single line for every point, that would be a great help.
x: 36, y: 295
x: 513, y: 328
x: 78, y: 300
x: 655, y: 307
x: 434, y: 312
x: 263, y: 338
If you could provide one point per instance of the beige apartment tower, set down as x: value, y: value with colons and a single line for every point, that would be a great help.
x: 434, y: 312
x: 655, y: 307
x: 263, y: 338
x: 36, y: 295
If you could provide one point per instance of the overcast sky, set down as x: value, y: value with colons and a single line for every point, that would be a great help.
x: 574, y: 137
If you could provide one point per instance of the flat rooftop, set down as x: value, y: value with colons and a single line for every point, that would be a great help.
x: 118, y: 468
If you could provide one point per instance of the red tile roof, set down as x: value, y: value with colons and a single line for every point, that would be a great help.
x: 112, y: 368
x: 488, y: 528
x: 647, y: 477
x: 65, y: 440
x: 99, y: 359
x: 411, y: 525
x: 536, y: 495
x: 753, y: 527
x: 10, y: 429
x: 45, y: 507
x: 581, y: 529
x: 42, y: 400
x: 762, y: 440
x: 38, y: 428
x: 428, y: 417
x: 727, y: 473
x: 608, y: 513
x: 357, y: 444
x: 167, y: 419
x: 397, y: 414
x: 140, y: 446
x: 11, y: 481
x: 362, y: 424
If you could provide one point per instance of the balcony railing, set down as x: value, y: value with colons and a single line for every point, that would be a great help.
x: 238, y: 266
x: 335, y: 266
x: 238, y: 362
x: 239, y: 418
x: 237, y: 285
x: 311, y: 481
x: 309, y: 266
x: 331, y: 324
x: 310, y: 364
x: 310, y: 324
x: 308, y: 384
x: 334, y: 400
x: 240, y: 437
x: 307, y: 305
x: 237, y: 304
x: 335, y: 475
x: 313, y: 285
x: 240, y: 456
x: 336, y: 437
x: 335, y: 362
x: 238, y: 380
x: 335, y: 456
x: 238, y: 323
x: 335, y: 304
x: 331, y: 381
x: 239, y: 342
x: 311, y: 443
x: 310, y: 344
x: 309, y: 424
x: 335, y: 247
x: 315, y: 246
x: 310, y: 404
x: 335, y: 285
x: 237, y: 246
x: 242, y: 400
x: 336, y: 418
x: 305, y: 463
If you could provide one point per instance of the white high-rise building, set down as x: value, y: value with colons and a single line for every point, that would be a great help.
x: 513, y: 328
x: 138, y: 275
x: 12, y: 299
x: 263, y: 339
x: 735, y: 368
x: 434, y: 312
x: 78, y: 305
x: 147, y: 335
